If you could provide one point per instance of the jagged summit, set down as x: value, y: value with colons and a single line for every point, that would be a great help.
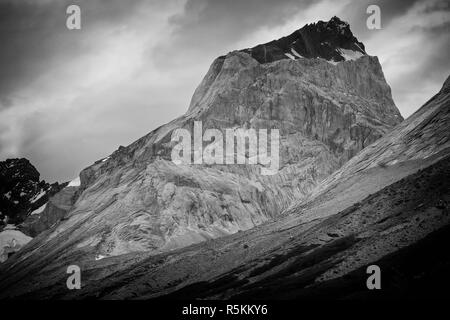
x: 331, y: 40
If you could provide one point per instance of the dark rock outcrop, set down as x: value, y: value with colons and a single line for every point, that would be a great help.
x: 21, y: 190
x: 391, y: 215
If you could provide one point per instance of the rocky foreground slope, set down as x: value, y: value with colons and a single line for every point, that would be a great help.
x: 372, y: 211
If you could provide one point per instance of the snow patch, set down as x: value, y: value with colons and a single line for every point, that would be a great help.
x: 295, y: 53
x: 36, y: 198
x: 350, y: 54
x: 39, y: 210
x: 100, y: 257
x: 329, y: 61
x: 75, y: 182
x: 290, y: 56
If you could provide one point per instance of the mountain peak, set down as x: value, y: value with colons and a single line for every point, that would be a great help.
x: 330, y: 40
x: 336, y: 21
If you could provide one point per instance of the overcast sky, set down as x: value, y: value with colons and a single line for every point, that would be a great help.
x: 69, y: 98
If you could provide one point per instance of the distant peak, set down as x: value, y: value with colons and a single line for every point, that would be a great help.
x: 336, y: 21
x: 330, y: 40
x: 334, y: 25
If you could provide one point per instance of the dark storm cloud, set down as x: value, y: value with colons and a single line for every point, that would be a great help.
x: 218, y: 20
x: 430, y: 62
x: 44, y: 66
x: 211, y: 27
x: 392, y: 9
x: 26, y: 34
x: 34, y: 35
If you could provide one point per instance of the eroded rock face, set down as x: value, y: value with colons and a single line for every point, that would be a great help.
x: 139, y: 200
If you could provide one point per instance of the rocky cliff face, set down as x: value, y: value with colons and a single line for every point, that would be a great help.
x: 326, y: 105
